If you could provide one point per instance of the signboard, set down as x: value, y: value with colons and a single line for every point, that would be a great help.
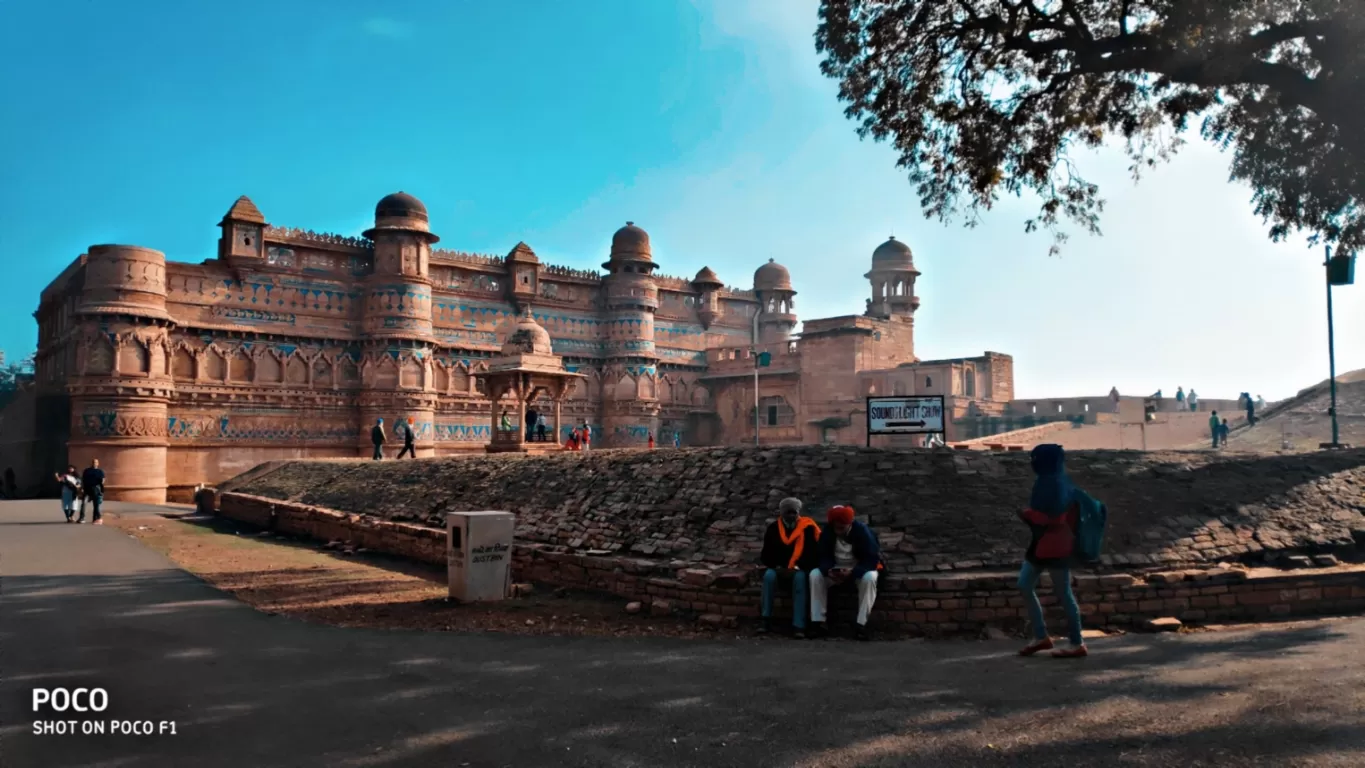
x: 915, y: 415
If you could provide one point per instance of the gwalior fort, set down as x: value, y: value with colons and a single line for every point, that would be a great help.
x: 250, y: 383
x: 292, y: 344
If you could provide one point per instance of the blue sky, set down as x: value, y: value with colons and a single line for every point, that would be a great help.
x: 705, y: 122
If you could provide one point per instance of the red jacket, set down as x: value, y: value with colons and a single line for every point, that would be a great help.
x: 1054, y: 538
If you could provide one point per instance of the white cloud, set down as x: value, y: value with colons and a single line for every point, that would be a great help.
x: 380, y: 26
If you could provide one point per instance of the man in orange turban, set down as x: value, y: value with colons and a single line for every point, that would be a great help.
x: 849, y: 554
x: 790, y: 552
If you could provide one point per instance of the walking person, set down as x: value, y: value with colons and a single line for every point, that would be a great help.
x: 409, y: 440
x: 1052, y: 517
x: 378, y: 439
x: 677, y: 439
x: 92, y: 488
x: 1251, y: 409
x: 71, y: 491
x: 1215, y: 428
x: 1180, y: 398
x: 1223, y: 430
x: 1192, y: 400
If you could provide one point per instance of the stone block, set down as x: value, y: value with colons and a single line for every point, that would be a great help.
x: 1164, y: 624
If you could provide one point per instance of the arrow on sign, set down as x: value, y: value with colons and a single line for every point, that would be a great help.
x: 904, y: 424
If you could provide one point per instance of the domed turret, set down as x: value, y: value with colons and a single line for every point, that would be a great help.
x: 630, y: 244
x: 401, y: 212
x: 892, y: 253
x: 526, y: 337
x: 776, y: 316
x: 773, y: 277
x: 893, y: 280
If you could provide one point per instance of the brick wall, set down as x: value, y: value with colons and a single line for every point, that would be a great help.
x: 929, y: 604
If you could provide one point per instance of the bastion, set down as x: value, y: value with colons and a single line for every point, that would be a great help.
x: 683, y: 528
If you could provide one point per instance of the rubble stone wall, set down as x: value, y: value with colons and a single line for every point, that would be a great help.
x: 925, y: 604
x: 935, y: 511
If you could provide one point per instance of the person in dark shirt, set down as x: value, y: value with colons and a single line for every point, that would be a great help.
x: 531, y: 417
x: 409, y: 440
x: 377, y: 437
x: 791, y: 550
x: 92, y: 485
x: 849, y: 555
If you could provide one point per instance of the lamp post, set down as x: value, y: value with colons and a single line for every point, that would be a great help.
x: 1340, y: 271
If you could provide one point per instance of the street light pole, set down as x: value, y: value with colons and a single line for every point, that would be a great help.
x: 753, y: 353
x: 1331, y: 352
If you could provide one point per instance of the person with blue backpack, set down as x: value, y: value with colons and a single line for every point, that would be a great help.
x: 1067, y: 525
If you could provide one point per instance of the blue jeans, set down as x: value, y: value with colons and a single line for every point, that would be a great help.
x: 800, y: 608
x: 1061, y: 586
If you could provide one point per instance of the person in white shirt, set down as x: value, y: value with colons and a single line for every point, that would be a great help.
x: 849, y: 554
x: 71, y: 490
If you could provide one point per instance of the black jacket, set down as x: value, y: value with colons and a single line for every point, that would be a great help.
x: 777, y: 555
x: 408, y: 437
x: 377, y: 435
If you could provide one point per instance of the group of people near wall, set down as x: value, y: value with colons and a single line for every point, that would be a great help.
x: 82, y: 489
x: 810, y: 560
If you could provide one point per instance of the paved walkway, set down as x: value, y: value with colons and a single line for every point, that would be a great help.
x: 86, y: 606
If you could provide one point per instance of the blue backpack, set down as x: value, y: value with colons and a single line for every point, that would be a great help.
x: 1093, y: 519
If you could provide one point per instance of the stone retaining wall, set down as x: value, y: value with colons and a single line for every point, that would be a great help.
x: 929, y: 605
x: 936, y: 511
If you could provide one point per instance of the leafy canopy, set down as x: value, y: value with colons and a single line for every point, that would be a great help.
x: 981, y: 97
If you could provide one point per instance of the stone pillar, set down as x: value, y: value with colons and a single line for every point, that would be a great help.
x: 559, y: 418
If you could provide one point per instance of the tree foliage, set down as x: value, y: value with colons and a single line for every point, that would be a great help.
x: 984, y: 97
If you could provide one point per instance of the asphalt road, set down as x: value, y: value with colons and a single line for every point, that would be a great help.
x: 90, y: 607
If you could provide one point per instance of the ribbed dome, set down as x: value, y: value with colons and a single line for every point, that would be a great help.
x: 892, y: 253
x: 400, y: 205
x: 525, y: 336
x: 707, y: 279
x: 772, y: 277
x: 630, y: 242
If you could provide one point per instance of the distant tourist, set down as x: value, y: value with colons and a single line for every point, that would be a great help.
x: 505, y: 421
x: 541, y: 427
x: 1180, y: 398
x: 1052, y: 517
x: 585, y: 441
x: 1251, y: 409
x: 651, y: 441
x: 1223, y: 430
x: 409, y: 439
x: 1114, y: 397
x: 677, y: 439
x: 1192, y: 400
x: 1215, y: 428
x: 377, y: 439
x: 571, y: 442
x: 849, y: 555
x: 71, y: 492
x: 791, y: 550
x: 1260, y: 403
x: 92, y: 489
x: 532, y: 416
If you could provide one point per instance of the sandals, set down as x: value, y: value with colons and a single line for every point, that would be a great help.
x: 1037, y: 645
